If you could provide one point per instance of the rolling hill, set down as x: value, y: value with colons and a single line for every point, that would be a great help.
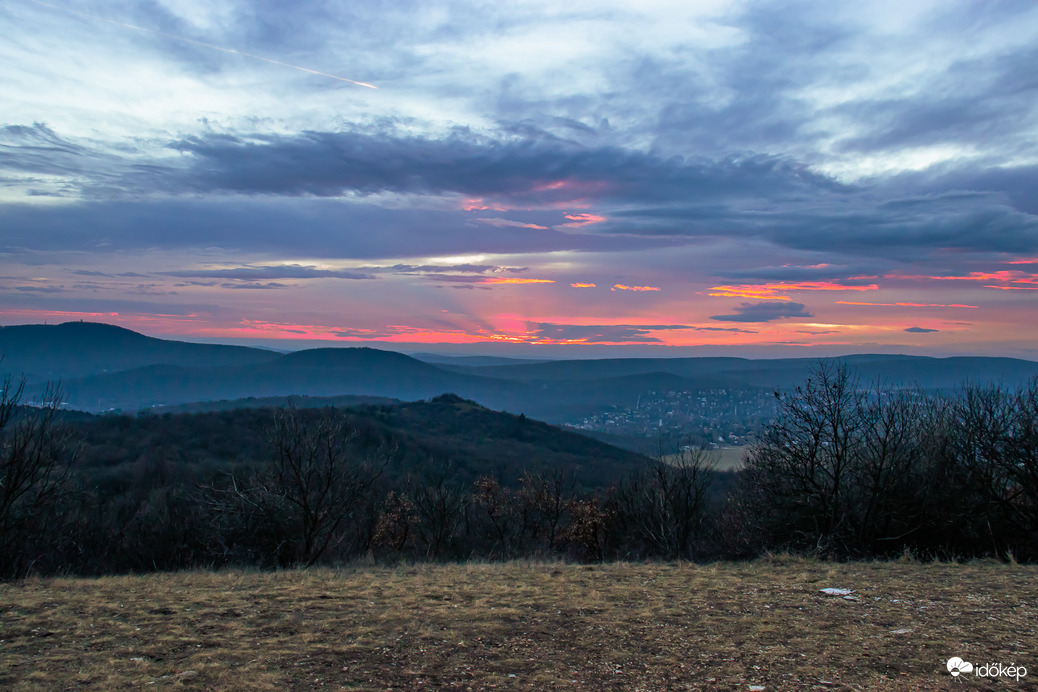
x: 102, y: 367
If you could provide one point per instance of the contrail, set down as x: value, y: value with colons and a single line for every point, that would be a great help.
x: 232, y: 51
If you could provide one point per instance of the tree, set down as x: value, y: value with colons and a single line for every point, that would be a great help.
x: 35, y: 458
x: 440, y: 505
x: 319, y: 475
x: 660, y: 510
x: 799, y: 472
x: 542, y: 507
x: 301, y: 505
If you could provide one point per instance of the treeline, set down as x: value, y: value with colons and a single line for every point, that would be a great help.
x: 845, y: 471
x: 851, y: 471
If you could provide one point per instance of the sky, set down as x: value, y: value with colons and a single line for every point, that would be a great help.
x: 577, y: 179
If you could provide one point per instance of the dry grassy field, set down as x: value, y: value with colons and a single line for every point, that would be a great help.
x: 525, y: 626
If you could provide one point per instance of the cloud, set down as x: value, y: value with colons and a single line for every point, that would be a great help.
x: 792, y: 273
x: 622, y: 287
x: 41, y: 289
x: 679, y: 198
x: 921, y: 330
x: 288, y: 271
x: 314, y: 228
x: 512, y: 224
x: 596, y: 334
x: 765, y: 312
x: 581, y: 220
x: 583, y: 285
x: 254, y: 285
x: 504, y: 280
x: 777, y: 291
x: 763, y: 149
x: 329, y: 164
x: 443, y: 268
x: 908, y: 305
x: 614, y: 333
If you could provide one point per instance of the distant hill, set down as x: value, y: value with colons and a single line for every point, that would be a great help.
x: 102, y: 367
x: 77, y: 349
x: 926, y: 372
x: 317, y: 372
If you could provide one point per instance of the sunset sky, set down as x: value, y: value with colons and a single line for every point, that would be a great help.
x: 748, y: 178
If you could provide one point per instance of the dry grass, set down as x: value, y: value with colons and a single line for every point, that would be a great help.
x: 523, y: 626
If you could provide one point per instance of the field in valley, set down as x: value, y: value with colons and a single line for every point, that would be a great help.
x: 743, y: 626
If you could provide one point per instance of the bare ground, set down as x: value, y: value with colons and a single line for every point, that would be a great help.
x: 524, y: 626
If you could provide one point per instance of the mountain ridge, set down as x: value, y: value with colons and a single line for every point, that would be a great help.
x: 103, y: 367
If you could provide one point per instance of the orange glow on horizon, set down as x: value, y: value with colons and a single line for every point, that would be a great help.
x: 514, y: 329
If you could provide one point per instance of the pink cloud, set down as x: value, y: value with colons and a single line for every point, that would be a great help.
x: 578, y: 220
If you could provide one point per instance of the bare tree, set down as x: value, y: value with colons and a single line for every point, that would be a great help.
x: 542, y: 507
x: 801, y: 466
x: 494, y: 517
x: 994, y: 447
x: 660, y: 510
x: 299, y: 507
x: 35, y: 458
x: 320, y: 475
x: 440, y: 505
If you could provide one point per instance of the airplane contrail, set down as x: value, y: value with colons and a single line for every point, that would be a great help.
x: 232, y: 51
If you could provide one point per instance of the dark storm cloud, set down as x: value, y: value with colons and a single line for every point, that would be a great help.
x: 765, y: 312
x: 920, y: 330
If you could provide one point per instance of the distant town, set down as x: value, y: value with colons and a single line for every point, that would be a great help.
x: 707, y: 417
